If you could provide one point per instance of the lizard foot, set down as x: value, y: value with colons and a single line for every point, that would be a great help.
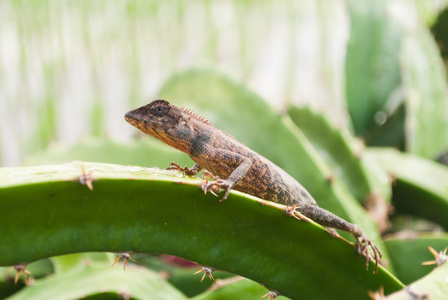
x: 363, y: 243
x: 186, y: 170
x: 215, y: 186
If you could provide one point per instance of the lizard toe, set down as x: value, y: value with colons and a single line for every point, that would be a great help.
x: 215, y: 187
x: 363, y: 244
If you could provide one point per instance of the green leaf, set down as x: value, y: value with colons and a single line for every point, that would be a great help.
x: 148, y: 210
x: 343, y: 154
x: 365, y: 180
x: 372, y: 62
x: 440, y: 31
x: 38, y: 269
x: 426, y: 92
x: 392, y: 131
x: 433, y: 285
x: 408, y: 254
x: 143, y: 152
x: 235, y: 288
x: 73, y: 262
x: 183, y: 277
x: 99, y: 279
x: 421, y: 186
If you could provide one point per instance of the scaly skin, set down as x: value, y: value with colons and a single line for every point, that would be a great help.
x: 222, y: 156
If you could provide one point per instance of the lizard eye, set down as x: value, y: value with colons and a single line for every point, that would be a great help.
x: 159, y: 108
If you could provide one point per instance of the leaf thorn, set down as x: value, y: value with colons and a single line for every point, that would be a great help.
x: 440, y: 257
x: 207, y: 271
x: 125, y: 256
x: 20, y: 268
x: 86, y: 178
x: 271, y: 295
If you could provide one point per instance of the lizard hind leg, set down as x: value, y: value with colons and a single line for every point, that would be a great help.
x: 330, y: 220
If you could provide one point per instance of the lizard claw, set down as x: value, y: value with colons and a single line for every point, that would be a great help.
x: 185, y: 170
x: 215, y: 186
x: 206, y: 175
x: 363, y: 243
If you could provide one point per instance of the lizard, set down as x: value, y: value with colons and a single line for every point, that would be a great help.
x: 232, y: 165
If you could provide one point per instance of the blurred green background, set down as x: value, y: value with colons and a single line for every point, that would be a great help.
x: 71, y: 69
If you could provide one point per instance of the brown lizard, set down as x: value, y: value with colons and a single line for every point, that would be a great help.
x: 222, y: 156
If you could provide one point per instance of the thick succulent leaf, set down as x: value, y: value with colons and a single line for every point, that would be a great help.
x: 48, y: 212
x: 235, y: 288
x: 392, y: 131
x: 147, y: 152
x: 440, y: 31
x: 343, y: 153
x: 421, y: 186
x: 73, y: 262
x: 425, y: 86
x: 366, y: 181
x: 408, y: 254
x: 96, y: 279
x: 238, y: 111
x: 38, y: 269
x: 180, y: 272
x: 372, y: 62
x: 432, y: 286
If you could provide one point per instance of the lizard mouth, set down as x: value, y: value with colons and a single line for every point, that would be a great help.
x: 132, y: 119
x: 129, y: 118
x: 146, y: 125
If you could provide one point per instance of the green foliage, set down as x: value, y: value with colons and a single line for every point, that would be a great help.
x: 95, y: 278
x: 432, y: 285
x: 152, y: 211
x: 395, y: 95
x: 358, y: 172
x: 420, y: 188
x: 396, y: 81
x: 142, y: 152
x: 372, y: 64
x: 426, y: 94
x: 408, y: 253
x: 301, y: 147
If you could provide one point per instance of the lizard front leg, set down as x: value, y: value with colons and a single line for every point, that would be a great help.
x: 227, y: 158
x: 328, y: 219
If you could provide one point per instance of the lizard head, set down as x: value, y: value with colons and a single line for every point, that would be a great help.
x: 157, y: 115
x: 172, y: 125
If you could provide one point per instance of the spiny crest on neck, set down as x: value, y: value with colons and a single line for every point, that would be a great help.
x: 193, y: 114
